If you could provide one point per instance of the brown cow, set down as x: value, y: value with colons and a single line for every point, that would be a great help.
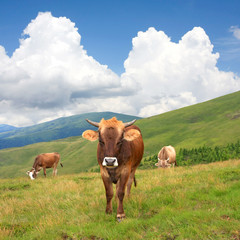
x: 119, y: 152
x: 44, y: 160
x: 166, y: 157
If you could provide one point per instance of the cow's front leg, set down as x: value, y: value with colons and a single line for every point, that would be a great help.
x: 120, y: 194
x: 109, y: 192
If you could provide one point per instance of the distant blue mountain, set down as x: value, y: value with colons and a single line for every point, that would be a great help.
x: 6, y: 128
x: 53, y: 130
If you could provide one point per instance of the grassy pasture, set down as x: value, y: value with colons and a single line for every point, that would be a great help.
x: 198, y: 202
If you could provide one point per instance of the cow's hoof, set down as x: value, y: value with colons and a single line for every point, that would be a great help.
x: 108, y: 211
x: 120, y: 217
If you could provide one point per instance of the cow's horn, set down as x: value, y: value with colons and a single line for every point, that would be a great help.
x: 95, y: 124
x: 129, y: 123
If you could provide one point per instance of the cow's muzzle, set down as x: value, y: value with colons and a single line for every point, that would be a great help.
x: 30, y: 174
x: 110, y: 162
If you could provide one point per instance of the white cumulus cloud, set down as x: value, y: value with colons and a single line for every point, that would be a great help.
x: 172, y: 75
x: 51, y: 75
x: 51, y: 69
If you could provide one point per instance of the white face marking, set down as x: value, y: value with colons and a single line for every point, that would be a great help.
x: 30, y: 174
x: 116, y: 163
x: 104, y: 163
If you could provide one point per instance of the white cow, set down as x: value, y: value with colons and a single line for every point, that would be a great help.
x: 166, y: 157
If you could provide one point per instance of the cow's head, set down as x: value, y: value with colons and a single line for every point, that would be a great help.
x: 163, y: 163
x: 111, y: 135
x: 32, y: 173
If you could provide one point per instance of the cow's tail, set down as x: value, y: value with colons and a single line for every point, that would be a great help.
x: 135, y: 181
x: 61, y: 164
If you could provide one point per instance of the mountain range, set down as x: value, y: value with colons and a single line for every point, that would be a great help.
x: 57, y: 129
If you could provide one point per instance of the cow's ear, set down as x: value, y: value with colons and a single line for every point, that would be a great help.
x: 131, y: 134
x: 90, y: 135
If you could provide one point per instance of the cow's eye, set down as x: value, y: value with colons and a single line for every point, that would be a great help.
x: 101, y: 142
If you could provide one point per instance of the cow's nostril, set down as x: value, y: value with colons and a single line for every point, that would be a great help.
x: 110, y: 162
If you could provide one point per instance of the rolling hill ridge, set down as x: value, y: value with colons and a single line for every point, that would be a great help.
x: 6, y: 128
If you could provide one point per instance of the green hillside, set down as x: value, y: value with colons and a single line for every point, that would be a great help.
x: 215, y: 122
x: 57, y: 129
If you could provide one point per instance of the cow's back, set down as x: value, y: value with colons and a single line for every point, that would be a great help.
x: 48, y: 159
x: 163, y: 154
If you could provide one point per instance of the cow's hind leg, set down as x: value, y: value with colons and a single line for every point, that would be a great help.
x: 130, y: 181
x: 44, y: 171
x: 55, y: 170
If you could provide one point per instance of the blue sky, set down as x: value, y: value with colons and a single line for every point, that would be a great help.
x: 139, y: 57
x: 107, y: 27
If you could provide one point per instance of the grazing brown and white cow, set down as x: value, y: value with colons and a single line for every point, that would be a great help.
x: 44, y: 160
x: 119, y: 152
x: 166, y: 157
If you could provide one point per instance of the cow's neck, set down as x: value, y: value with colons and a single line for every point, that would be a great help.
x: 35, y: 165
